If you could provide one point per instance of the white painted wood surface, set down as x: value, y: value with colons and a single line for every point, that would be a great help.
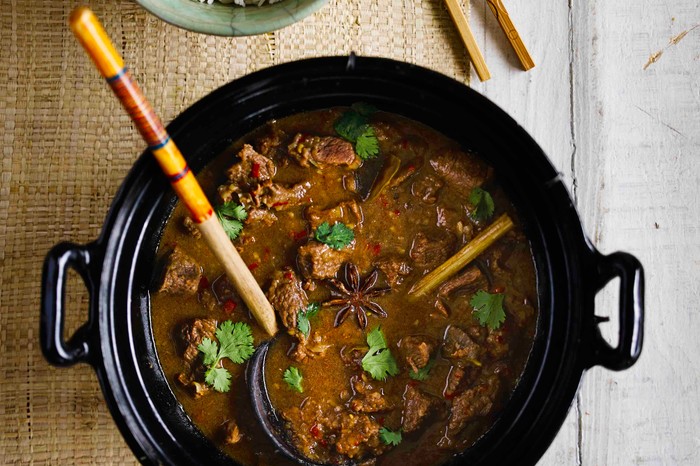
x: 615, y: 102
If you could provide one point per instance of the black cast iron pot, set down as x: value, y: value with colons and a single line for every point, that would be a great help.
x: 118, y: 267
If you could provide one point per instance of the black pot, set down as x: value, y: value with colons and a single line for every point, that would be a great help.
x: 118, y: 267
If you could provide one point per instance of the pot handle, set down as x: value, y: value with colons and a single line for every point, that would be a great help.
x: 59, y: 260
x: 631, y: 332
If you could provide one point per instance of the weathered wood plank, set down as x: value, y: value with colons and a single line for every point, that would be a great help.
x: 637, y: 172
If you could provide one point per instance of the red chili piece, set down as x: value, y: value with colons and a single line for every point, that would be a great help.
x: 229, y: 306
x: 255, y: 170
x: 203, y: 283
x: 278, y: 204
x: 498, y: 289
x: 253, y: 266
x: 315, y: 431
x: 298, y: 235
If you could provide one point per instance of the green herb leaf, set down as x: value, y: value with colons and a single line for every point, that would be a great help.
x: 483, y: 204
x: 235, y: 343
x: 354, y: 126
x: 303, y: 317
x: 231, y: 216
x: 379, y: 361
x: 390, y: 437
x: 337, y: 236
x: 367, y: 145
x: 293, y: 378
x: 488, y: 308
x: 219, y: 378
x: 422, y: 373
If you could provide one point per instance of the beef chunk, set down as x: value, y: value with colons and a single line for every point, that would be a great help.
x: 308, y: 347
x: 253, y: 169
x: 347, y: 212
x: 462, y: 171
x: 260, y: 215
x: 230, y: 432
x: 458, y: 378
x: 459, y: 345
x: 470, y: 279
x: 321, y: 150
x: 416, y: 408
x: 352, y: 357
x: 417, y: 350
x: 370, y: 403
x: 496, y: 343
x: 394, y: 268
x: 208, y: 300
x: 475, y: 402
x: 191, y: 227
x: 279, y: 197
x: 426, y: 188
x: 358, y: 436
x: 428, y: 253
x: 270, y: 143
x: 320, y: 261
x: 192, y: 335
x: 287, y: 296
x: 181, y: 274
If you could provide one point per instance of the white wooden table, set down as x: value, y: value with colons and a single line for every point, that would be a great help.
x: 615, y: 102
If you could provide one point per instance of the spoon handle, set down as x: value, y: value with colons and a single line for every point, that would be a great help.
x: 98, y: 46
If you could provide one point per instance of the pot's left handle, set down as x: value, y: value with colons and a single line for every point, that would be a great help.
x: 631, y: 311
x: 59, y: 260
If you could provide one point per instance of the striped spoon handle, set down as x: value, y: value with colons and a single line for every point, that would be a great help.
x: 93, y: 38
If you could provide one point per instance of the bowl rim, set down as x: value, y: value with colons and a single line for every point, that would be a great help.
x: 231, y: 20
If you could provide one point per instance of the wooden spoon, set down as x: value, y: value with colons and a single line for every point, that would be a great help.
x: 93, y: 38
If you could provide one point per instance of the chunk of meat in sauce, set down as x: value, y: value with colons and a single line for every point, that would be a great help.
x: 470, y: 279
x: 370, y: 403
x: 181, y: 274
x: 475, y: 402
x: 461, y: 170
x: 253, y: 169
x: 460, y: 377
x: 279, y: 197
x: 347, y: 212
x: 310, y: 347
x: 321, y: 150
x: 230, y: 432
x: 429, y: 252
x: 191, y: 227
x: 426, y: 188
x: 287, y: 296
x: 192, y: 334
x: 394, y: 268
x: 417, y: 350
x: 260, y: 215
x: 320, y: 261
x: 270, y: 143
x: 416, y: 408
x: 496, y: 343
x: 458, y: 344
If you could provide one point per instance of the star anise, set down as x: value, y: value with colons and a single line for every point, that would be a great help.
x: 353, y: 294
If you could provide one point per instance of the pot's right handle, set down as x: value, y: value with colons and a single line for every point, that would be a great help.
x: 629, y: 346
x: 59, y: 260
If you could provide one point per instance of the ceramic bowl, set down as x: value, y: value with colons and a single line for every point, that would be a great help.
x: 228, y: 19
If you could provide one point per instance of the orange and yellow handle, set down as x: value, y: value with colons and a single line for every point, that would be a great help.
x: 93, y: 38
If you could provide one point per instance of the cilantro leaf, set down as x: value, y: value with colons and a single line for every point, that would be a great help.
x: 337, y: 236
x: 231, y: 216
x: 303, y: 317
x: 488, y: 308
x: 235, y: 343
x: 375, y: 338
x: 219, y: 378
x: 354, y: 127
x: 389, y: 437
x: 367, y: 145
x: 293, y: 378
x: 379, y: 361
x: 483, y: 204
x: 422, y: 373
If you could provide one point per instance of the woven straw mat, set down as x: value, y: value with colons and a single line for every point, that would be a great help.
x: 67, y: 144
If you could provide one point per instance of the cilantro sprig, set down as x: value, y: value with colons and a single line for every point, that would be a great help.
x: 379, y: 361
x: 231, y: 216
x: 293, y: 378
x: 422, y: 373
x: 303, y: 317
x: 354, y: 127
x: 235, y: 343
x: 488, y: 309
x: 390, y: 437
x: 337, y: 236
x: 483, y: 204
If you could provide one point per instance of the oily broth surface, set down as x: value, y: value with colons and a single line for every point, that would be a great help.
x: 390, y: 223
